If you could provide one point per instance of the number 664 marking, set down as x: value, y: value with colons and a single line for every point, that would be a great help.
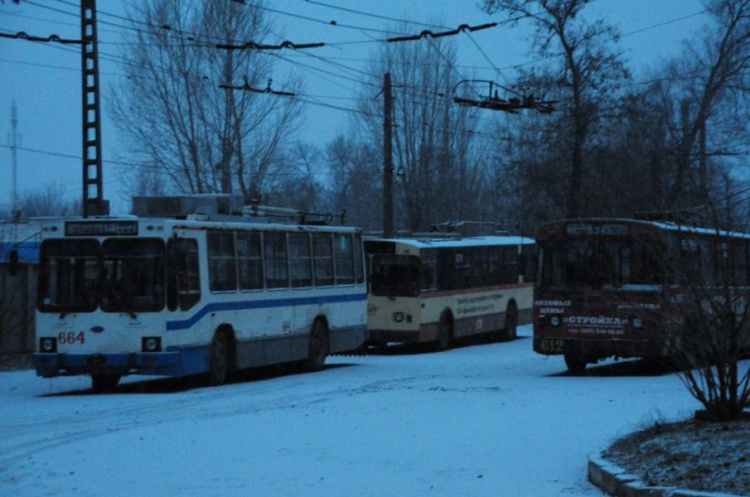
x: 71, y: 337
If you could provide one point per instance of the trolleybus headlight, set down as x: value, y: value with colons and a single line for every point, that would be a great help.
x: 637, y: 323
x: 554, y: 321
x: 398, y: 317
x: 48, y: 344
x: 151, y: 344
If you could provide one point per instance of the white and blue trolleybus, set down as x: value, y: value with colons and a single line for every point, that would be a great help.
x: 195, y: 285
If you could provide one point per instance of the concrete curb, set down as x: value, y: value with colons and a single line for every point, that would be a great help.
x: 618, y: 482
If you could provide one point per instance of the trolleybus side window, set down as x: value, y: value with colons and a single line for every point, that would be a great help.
x: 457, y: 269
x: 741, y: 261
x: 644, y: 261
x: 277, y: 269
x: 249, y: 260
x: 183, y: 288
x: 689, y: 267
x: 480, y: 271
x: 343, y: 255
x: 222, y: 269
x: 300, y: 260
x: 429, y: 269
x: 510, y: 260
x: 527, y: 264
x: 323, y: 259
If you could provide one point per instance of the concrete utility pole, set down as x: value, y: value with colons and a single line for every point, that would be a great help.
x: 14, y: 155
x: 388, y: 158
x: 93, y: 196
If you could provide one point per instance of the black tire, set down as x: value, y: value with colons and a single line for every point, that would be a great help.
x: 510, y: 331
x: 318, y: 347
x: 221, y: 361
x: 445, y: 333
x: 104, y: 383
x: 576, y: 363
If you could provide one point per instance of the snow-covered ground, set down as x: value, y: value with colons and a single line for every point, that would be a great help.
x: 492, y: 419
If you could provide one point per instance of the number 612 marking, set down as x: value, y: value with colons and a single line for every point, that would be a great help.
x: 552, y: 345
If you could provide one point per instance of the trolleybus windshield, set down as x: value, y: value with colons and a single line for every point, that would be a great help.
x: 120, y: 275
x: 395, y: 276
x: 597, y: 264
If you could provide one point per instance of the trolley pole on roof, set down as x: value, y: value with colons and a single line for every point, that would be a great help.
x: 388, y: 158
x: 93, y: 197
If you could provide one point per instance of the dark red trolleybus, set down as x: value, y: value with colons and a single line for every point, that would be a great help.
x: 617, y: 287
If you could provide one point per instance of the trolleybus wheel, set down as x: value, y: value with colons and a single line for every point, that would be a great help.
x: 510, y: 332
x: 445, y: 332
x: 318, y: 348
x: 220, y: 362
x: 103, y: 383
x: 575, y: 362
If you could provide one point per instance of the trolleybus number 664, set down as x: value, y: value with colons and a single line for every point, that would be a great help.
x: 71, y: 337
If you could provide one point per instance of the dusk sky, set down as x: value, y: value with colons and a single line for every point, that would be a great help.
x: 44, y: 78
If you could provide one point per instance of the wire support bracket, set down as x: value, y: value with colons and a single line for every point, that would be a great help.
x: 251, y: 45
x: 246, y: 87
x: 429, y: 34
x: 53, y: 38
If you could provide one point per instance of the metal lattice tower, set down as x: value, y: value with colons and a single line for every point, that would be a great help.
x: 93, y: 197
x: 13, y: 141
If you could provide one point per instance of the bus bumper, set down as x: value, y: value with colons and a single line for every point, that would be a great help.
x: 424, y: 334
x: 593, y: 349
x: 347, y: 339
x: 156, y: 363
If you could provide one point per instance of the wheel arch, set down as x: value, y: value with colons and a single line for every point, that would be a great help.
x: 318, y: 350
x: 447, y: 313
x: 512, y: 304
x: 509, y: 331
x: 323, y: 319
x: 446, y: 330
x: 228, y: 330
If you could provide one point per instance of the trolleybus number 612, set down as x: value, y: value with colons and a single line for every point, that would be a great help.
x: 552, y: 345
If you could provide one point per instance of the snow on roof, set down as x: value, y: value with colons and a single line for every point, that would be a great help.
x: 663, y: 225
x: 698, y: 230
x: 474, y: 241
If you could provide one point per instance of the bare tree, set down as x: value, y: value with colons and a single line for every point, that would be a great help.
x: 713, y: 274
x: 301, y: 185
x: 529, y: 170
x: 439, y: 166
x: 48, y: 201
x: 173, y: 111
x: 711, y: 76
x: 356, y: 181
x: 683, y: 131
x: 587, y: 72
